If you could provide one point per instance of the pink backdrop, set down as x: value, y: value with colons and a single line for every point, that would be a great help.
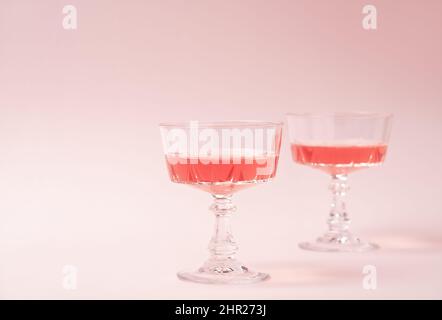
x: 82, y: 175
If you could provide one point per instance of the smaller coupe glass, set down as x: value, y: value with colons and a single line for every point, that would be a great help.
x: 222, y: 158
x: 339, y: 144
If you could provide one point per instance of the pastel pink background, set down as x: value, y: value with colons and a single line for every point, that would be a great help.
x: 82, y: 177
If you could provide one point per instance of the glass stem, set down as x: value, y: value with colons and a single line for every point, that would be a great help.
x: 222, y: 246
x: 338, y: 221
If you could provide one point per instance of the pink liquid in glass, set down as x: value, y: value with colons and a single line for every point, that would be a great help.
x: 221, y: 177
x: 339, y: 159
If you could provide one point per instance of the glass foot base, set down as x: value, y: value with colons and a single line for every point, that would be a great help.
x: 223, y: 272
x: 332, y: 242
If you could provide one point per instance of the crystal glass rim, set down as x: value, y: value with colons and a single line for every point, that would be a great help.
x: 223, y: 124
x: 344, y: 114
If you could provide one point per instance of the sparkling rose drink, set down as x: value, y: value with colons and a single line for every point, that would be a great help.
x: 339, y: 158
x: 221, y: 176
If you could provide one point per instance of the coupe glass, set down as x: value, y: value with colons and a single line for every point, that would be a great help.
x: 339, y: 144
x: 222, y: 158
